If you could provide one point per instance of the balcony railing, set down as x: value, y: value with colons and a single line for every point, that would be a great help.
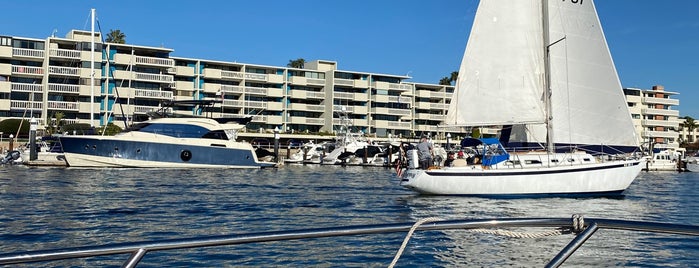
x: 344, y: 82
x: 64, y: 70
x: 154, y: 77
x: 64, y: 105
x: 25, y: 52
x: 155, y: 61
x: 64, y: 53
x: 343, y: 95
x: 256, y: 90
x: 33, y: 105
x: 231, y: 89
x: 24, y: 87
x: 651, y: 100
x: 60, y: 88
x: 143, y: 93
x: 27, y: 70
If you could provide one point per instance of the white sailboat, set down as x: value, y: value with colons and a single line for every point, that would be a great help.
x: 543, y: 71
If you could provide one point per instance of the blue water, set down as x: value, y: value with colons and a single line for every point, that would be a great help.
x: 50, y: 208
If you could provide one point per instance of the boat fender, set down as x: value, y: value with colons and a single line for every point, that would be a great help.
x: 185, y: 155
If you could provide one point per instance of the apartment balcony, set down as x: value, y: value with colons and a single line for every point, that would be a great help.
x: 298, y: 80
x: 315, y: 81
x: 65, y: 71
x: 152, y: 94
x: 256, y: 104
x: 344, y: 82
x: 27, y: 53
x: 66, y: 89
x: 391, y: 99
x: 306, y: 120
x: 5, y: 87
x: 649, y: 111
x: 353, y: 122
x: 275, y: 106
x: 65, y: 54
x: 231, y: 75
x: 182, y: 70
x: 391, y: 86
x: 343, y: 108
x: 275, y: 92
x: 137, y: 109
x: 343, y: 95
x: 24, y: 87
x: 432, y: 117
x: 303, y: 94
x: 27, y: 70
x: 231, y: 90
x: 664, y: 101
x: 233, y: 103
x: 25, y: 105
x: 256, y: 91
x: 306, y: 107
x: 399, y: 125
x: 659, y: 134
x: 5, y: 69
x: 64, y: 105
x: 659, y: 123
x: 390, y: 111
x: 634, y: 99
x: 184, y: 85
x: 158, y: 78
x: 153, y: 61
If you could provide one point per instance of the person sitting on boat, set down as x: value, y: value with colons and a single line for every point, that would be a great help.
x: 450, y: 159
x: 424, y: 150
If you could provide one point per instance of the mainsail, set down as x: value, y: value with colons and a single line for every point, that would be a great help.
x: 501, y: 78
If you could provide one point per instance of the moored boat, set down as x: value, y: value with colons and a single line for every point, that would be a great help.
x: 166, y: 142
x: 524, y: 64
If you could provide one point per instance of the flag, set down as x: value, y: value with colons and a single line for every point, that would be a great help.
x: 399, y: 169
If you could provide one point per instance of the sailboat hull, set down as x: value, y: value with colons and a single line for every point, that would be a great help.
x: 592, y: 179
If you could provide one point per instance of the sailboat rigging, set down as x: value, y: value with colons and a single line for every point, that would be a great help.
x: 512, y: 75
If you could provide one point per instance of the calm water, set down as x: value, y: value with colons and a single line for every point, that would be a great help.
x: 49, y: 208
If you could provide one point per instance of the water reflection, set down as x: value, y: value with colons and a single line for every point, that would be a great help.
x: 46, y: 208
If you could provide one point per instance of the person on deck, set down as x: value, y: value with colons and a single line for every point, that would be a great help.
x: 424, y: 149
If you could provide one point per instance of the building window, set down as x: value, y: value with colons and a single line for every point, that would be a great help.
x: 5, y: 41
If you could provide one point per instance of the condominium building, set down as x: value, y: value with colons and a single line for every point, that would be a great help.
x: 121, y: 83
x: 653, y: 116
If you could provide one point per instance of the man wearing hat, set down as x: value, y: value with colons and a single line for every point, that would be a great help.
x: 424, y: 151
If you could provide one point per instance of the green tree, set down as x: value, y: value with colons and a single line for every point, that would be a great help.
x: 110, y: 129
x: 297, y: 63
x: 453, y: 77
x: 690, y: 124
x: 445, y: 81
x: 10, y: 126
x: 115, y: 36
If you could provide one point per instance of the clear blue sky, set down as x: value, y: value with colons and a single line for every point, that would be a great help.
x: 652, y: 42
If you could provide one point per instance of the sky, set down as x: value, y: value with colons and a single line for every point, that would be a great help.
x: 652, y: 42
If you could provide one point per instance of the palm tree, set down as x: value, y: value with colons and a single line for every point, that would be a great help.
x: 690, y: 124
x: 298, y: 63
x: 454, y: 76
x: 115, y: 36
x: 445, y: 81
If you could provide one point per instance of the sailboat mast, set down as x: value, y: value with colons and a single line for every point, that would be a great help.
x: 92, y: 69
x: 547, y: 73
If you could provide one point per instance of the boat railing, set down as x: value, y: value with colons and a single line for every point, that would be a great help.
x: 582, y: 228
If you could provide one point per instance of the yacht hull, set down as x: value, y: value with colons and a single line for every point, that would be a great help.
x: 158, y: 152
x: 597, y: 178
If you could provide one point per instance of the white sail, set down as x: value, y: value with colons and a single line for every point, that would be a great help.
x: 501, y: 74
x: 501, y: 80
x: 588, y: 102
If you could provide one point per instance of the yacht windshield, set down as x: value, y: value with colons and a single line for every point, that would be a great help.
x: 180, y: 131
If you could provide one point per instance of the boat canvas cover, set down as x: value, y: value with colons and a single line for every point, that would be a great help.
x: 493, y: 151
